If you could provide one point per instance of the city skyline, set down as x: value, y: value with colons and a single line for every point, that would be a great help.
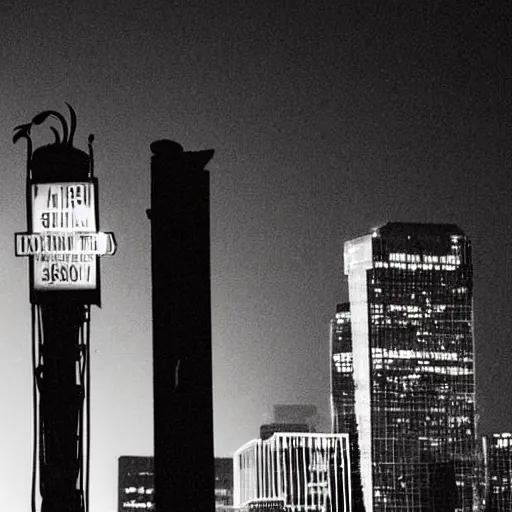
x: 326, y: 121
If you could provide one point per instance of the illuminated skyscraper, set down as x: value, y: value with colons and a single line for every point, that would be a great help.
x: 411, y: 323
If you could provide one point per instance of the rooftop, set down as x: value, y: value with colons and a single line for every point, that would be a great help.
x: 414, y: 228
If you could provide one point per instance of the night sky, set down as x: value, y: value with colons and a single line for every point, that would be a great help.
x: 328, y: 118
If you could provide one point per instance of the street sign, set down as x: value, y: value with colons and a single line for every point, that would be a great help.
x: 63, y: 207
x: 64, y: 244
x: 37, y: 244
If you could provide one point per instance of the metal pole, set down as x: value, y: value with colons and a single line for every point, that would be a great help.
x: 61, y: 400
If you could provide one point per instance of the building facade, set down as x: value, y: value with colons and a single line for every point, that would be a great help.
x: 411, y: 329
x: 342, y: 374
x: 343, y: 414
x: 498, y: 471
x: 299, y: 472
x: 136, y: 490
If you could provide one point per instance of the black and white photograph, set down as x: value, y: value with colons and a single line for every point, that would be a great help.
x: 256, y: 256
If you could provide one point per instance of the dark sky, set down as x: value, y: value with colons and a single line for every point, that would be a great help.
x: 328, y: 118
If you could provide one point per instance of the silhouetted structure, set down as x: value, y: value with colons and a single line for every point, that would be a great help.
x: 136, y: 489
x: 182, y: 351
x: 411, y: 329
x: 63, y: 244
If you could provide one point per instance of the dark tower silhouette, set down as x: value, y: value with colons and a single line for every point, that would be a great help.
x: 182, y: 349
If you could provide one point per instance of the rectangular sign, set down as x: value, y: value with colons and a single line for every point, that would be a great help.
x: 63, y: 207
x: 65, y: 243
x: 61, y: 214
x: 65, y: 272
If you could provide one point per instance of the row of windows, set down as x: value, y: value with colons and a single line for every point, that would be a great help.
x: 415, y: 266
x: 128, y: 505
x: 419, y: 370
x: 425, y: 258
x: 383, y: 353
x: 419, y: 283
x: 139, y: 490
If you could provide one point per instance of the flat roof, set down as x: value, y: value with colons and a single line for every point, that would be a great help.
x: 416, y: 228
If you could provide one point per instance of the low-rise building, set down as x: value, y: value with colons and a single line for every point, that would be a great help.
x: 136, y: 484
x: 223, y: 483
x: 302, y: 471
x: 498, y: 472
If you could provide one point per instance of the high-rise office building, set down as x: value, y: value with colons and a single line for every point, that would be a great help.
x: 411, y: 329
x: 343, y: 395
x: 498, y: 471
x: 306, y: 472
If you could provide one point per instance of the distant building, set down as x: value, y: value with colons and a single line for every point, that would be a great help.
x: 296, y: 414
x: 290, y: 418
x: 343, y: 395
x: 411, y: 331
x: 269, y: 430
x: 223, y: 483
x: 136, y: 484
x: 498, y: 468
x: 342, y: 372
x: 292, y: 472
